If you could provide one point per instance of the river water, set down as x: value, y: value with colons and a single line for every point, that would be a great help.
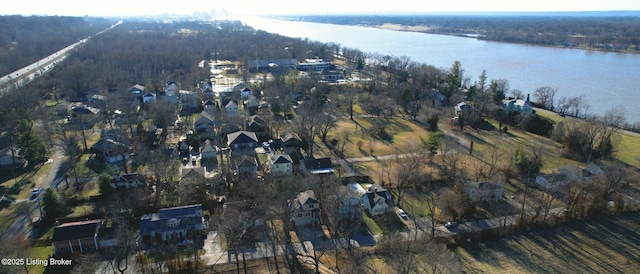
x: 607, y: 80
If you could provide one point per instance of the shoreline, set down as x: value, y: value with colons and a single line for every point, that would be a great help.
x: 429, y: 30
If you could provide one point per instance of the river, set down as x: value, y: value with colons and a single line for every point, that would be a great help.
x: 607, y: 80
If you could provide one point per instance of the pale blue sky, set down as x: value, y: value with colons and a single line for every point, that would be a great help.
x: 263, y: 7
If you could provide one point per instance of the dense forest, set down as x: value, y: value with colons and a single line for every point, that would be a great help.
x: 23, y: 40
x: 591, y: 31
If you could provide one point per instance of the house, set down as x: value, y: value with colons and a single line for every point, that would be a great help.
x: 188, y: 99
x: 350, y: 198
x: 209, y: 106
x: 192, y: 176
x: 377, y: 200
x: 128, y: 181
x: 463, y: 108
x: 9, y: 159
x: 207, y: 93
x: 321, y: 166
x: 256, y: 123
x: 74, y: 237
x: 137, y: 91
x: 204, y: 125
x: 280, y: 164
x: 518, y: 105
x: 231, y: 107
x: 83, y: 110
x: 245, y: 93
x: 172, y: 224
x: 242, y: 140
x: 484, y: 191
x: 331, y: 75
x: 148, y: 98
x: 246, y: 166
x: 244, y: 214
x: 171, y: 89
x: 207, y: 150
x: 291, y: 140
x: 252, y: 104
x: 110, y: 151
x: 305, y: 209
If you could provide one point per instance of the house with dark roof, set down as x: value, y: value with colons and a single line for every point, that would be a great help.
x: 306, y: 209
x: 209, y: 106
x: 74, y: 237
x: 172, y: 224
x: 377, y: 200
x: 256, y: 123
x: 242, y: 140
x: 129, y: 181
x: 280, y: 164
x: 148, y: 97
x: 291, y: 140
x: 110, y: 151
x: 320, y: 166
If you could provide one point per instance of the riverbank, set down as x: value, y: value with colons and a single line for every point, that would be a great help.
x: 431, y: 30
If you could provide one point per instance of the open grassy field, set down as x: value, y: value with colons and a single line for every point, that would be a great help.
x: 399, y: 129
x: 605, y: 245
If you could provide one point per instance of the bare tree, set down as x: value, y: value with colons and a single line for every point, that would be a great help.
x: 546, y: 96
x: 407, y: 172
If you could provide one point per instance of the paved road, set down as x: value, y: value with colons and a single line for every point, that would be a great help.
x: 28, y: 73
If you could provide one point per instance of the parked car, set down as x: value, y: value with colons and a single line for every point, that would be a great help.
x: 193, y: 160
x: 35, y: 192
x: 402, y: 214
x: 451, y: 225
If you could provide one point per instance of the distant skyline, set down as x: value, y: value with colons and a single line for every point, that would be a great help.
x: 281, y: 7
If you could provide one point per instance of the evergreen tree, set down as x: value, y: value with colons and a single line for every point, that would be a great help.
x: 29, y: 142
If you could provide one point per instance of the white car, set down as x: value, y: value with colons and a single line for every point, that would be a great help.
x: 402, y: 213
x: 35, y: 192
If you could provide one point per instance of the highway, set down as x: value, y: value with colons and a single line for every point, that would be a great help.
x: 27, y: 74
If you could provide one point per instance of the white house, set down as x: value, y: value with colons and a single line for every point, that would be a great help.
x: 231, y: 107
x: 281, y: 164
x: 306, y: 209
x: 377, y: 200
x: 484, y: 191
x: 171, y: 89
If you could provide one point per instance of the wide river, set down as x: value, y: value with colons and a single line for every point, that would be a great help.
x: 607, y: 80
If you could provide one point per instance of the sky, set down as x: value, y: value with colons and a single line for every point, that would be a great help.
x: 279, y: 7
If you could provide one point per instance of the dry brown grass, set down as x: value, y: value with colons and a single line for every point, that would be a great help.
x: 607, y: 245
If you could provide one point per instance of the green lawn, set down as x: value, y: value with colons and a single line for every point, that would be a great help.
x: 627, y: 149
x: 372, y: 226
